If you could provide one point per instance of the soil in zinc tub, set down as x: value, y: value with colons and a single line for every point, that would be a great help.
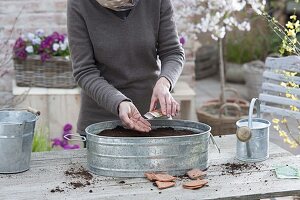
x: 159, y: 132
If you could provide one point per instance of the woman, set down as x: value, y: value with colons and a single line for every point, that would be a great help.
x: 114, y: 48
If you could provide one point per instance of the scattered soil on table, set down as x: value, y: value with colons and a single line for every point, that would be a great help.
x: 159, y: 132
x: 57, y: 189
x: 183, y: 177
x: 77, y: 185
x: 80, y: 173
x: 80, y: 178
x: 236, y: 168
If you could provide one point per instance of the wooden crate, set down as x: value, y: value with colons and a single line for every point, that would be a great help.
x: 206, y: 63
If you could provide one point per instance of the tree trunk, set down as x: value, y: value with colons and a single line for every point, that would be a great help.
x: 222, y: 73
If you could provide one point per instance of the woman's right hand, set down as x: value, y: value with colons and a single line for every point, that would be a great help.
x: 131, y: 117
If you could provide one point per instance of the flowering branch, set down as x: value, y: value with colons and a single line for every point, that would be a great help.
x: 216, y: 17
x: 290, y: 45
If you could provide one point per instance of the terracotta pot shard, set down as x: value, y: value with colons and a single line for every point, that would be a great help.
x: 164, y: 177
x: 195, y: 173
x: 160, y: 177
x: 164, y: 185
x: 150, y: 176
x: 195, y: 184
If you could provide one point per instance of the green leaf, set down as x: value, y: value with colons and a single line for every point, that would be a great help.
x: 41, y: 141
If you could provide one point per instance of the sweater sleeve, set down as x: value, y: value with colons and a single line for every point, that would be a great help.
x: 169, y: 49
x: 85, y: 71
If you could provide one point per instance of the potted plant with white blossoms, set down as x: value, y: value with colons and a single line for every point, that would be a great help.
x: 43, y: 60
x: 218, y: 17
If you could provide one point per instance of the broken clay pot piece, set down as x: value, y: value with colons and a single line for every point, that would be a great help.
x: 195, y: 173
x: 195, y: 184
x: 160, y: 177
x: 164, y: 185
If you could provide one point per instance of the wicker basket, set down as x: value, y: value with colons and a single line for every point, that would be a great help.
x: 212, y: 113
x: 222, y: 118
x: 54, y: 73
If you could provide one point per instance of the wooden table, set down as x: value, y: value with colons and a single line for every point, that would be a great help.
x: 47, y: 172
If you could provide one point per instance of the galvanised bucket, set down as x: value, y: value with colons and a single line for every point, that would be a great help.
x: 16, y: 135
x: 133, y: 156
x: 253, y: 136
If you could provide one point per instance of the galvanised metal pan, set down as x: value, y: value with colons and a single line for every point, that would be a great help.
x: 133, y: 156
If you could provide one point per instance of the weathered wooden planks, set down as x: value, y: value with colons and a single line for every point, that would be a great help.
x: 273, y: 94
x: 289, y: 63
x: 47, y: 172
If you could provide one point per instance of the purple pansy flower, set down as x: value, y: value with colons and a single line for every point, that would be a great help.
x: 64, y: 143
x: 45, y: 56
x: 182, y: 40
x: 20, y: 49
x: 67, y: 127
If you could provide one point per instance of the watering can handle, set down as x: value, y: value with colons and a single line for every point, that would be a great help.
x: 254, y: 102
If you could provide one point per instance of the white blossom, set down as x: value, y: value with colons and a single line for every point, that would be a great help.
x: 30, y: 36
x: 40, y: 32
x: 36, y: 40
x: 214, y: 16
x: 29, y: 49
x: 55, y: 46
x: 63, y: 46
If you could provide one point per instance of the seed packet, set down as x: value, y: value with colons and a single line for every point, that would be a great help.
x: 287, y: 172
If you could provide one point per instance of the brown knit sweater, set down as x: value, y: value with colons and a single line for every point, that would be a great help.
x: 115, y: 59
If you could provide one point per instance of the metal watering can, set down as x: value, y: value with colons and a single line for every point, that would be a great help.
x: 253, y: 136
x: 16, y: 135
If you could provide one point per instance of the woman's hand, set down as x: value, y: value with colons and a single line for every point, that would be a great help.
x: 131, y: 117
x: 161, y: 93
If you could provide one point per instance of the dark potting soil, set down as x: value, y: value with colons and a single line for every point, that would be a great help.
x: 233, y: 168
x: 80, y: 173
x: 57, y: 189
x: 80, y: 178
x: 119, y: 131
x: 77, y: 184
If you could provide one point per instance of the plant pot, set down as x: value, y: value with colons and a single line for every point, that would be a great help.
x: 222, y: 117
x: 234, y: 73
x: 253, y: 73
x: 206, y: 63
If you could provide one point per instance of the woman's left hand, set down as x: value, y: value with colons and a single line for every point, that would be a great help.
x: 161, y: 94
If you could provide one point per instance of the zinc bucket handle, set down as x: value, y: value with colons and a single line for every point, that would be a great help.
x: 254, y: 102
x: 82, y: 138
x: 34, y: 111
x: 29, y: 109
